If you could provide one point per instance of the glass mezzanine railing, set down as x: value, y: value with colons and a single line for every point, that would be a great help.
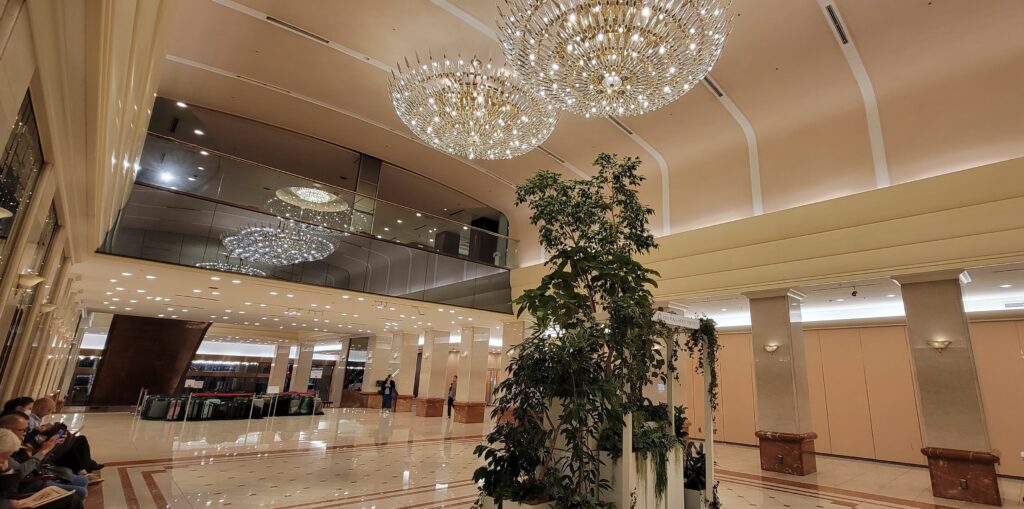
x: 174, y: 227
x: 171, y: 164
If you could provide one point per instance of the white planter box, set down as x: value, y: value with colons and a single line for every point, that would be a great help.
x: 625, y: 481
x: 488, y: 503
x: 692, y: 499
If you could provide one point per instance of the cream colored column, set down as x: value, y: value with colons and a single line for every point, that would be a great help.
x: 338, y: 377
x: 433, y: 387
x: 303, y: 366
x: 25, y: 361
x: 960, y: 456
x: 470, y: 397
x: 37, y: 210
x: 784, y: 430
x: 379, y: 349
x: 512, y: 334
x: 61, y: 297
x: 408, y: 352
x: 279, y: 368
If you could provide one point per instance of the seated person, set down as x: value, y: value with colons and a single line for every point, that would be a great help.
x: 9, y: 478
x: 32, y: 463
x: 76, y: 454
x: 21, y: 404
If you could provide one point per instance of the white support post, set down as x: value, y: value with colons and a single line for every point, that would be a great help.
x: 709, y: 435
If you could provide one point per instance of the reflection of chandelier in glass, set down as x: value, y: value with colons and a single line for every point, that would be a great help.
x: 612, y: 57
x: 471, y: 109
x: 312, y: 198
x: 238, y: 268
x: 288, y: 243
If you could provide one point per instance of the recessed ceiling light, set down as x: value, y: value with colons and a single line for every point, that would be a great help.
x: 115, y: 299
x: 891, y: 295
x: 119, y: 289
x: 419, y: 215
x: 1005, y: 286
x: 113, y: 280
x: 235, y: 281
x: 174, y: 316
x: 133, y: 301
x: 159, y: 316
x: 215, y: 293
x: 214, y: 278
x: 840, y: 300
x: 198, y: 131
x: 110, y: 293
x: 361, y: 298
x: 345, y: 297
x: 273, y: 293
x: 399, y: 221
x: 140, y: 291
x: 166, y: 176
x: 191, y: 179
x: 725, y: 309
x: 203, y: 152
x: 150, y: 277
x: 289, y: 295
x: 196, y: 290
x: 127, y: 309
x: 126, y: 274
x: 181, y: 104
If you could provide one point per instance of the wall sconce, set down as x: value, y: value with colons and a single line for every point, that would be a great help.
x: 939, y: 344
x: 26, y: 281
x: 771, y: 348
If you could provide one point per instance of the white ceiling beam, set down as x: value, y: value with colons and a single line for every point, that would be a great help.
x: 753, y: 160
x: 867, y: 90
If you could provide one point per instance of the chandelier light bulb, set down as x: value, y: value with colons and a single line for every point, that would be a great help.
x: 612, y: 57
x: 471, y: 109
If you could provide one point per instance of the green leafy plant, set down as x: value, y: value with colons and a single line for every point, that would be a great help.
x: 695, y: 473
x: 592, y: 348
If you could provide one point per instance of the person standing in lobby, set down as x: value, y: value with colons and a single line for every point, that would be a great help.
x: 451, y: 395
x: 387, y: 392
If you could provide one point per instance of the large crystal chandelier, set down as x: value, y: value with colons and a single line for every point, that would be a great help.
x: 612, y: 57
x: 287, y: 243
x: 471, y: 109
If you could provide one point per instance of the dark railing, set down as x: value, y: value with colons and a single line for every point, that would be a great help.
x: 174, y: 227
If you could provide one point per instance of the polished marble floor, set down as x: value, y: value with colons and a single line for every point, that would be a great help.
x: 352, y: 458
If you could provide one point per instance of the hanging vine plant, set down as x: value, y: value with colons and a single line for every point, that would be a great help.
x: 704, y: 339
x: 592, y: 349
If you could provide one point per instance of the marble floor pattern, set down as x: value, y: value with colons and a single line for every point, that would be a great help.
x: 355, y: 458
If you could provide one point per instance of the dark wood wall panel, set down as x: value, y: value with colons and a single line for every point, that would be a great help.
x: 143, y: 352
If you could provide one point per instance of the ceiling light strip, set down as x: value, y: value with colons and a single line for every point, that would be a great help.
x: 229, y: 74
x: 468, y: 18
x: 867, y: 91
x: 753, y: 160
x: 666, y: 194
x: 284, y: 25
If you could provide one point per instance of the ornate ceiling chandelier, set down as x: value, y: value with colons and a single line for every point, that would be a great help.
x: 612, y: 57
x: 312, y: 198
x: 471, y: 109
x: 288, y: 243
x: 237, y: 268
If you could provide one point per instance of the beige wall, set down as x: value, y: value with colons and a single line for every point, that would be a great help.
x: 863, y: 401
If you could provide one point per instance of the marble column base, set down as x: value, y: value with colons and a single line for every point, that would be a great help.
x: 469, y: 412
x: 787, y: 453
x: 963, y: 475
x: 371, y: 399
x: 404, y: 403
x: 430, y: 407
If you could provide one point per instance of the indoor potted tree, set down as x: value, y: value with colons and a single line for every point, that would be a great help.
x: 592, y: 348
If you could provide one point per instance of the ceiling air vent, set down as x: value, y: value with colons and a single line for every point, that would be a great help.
x: 713, y: 86
x: 621, y: 125
x: 836, y: 24
x: 551, y: 154
x: 288, y: 26
x: 264, y: 84
x: 1013, y: 305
